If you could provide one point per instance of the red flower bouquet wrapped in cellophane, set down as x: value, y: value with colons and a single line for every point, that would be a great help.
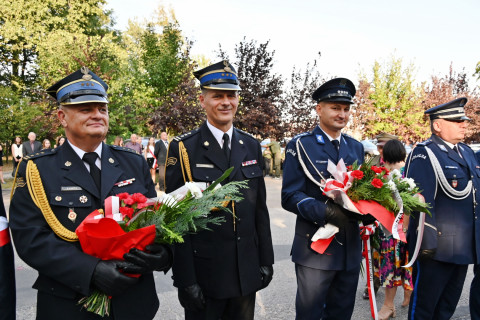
x: 368, y: 189
x: 134, y: 221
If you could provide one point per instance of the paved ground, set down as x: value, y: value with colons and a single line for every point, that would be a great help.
x: 275, y: 302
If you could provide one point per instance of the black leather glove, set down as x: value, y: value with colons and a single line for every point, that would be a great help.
x: 108, y: 279
x: 366, y: 218
x: 191, y: 298
x: 335, y: 215
x: 156, y: 257
x: 426, y: 254
x: 267, y: 275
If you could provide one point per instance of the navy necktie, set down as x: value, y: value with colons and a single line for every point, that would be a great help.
x: 226, y: 149
x: 90, y: 158
x: 336, y: 144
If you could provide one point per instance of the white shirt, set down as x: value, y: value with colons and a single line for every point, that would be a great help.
x: 80, y: 153
x: 330, y: 138
x: 218, y: 134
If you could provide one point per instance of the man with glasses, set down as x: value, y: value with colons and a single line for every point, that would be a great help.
x: 446, y: 171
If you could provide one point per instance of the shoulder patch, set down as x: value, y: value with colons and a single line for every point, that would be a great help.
x: 186, y: 135
x: 41, y: 153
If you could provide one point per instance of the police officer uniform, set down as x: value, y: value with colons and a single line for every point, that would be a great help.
x: 338, y: 268
x: 225, y: 262
x: 449, y: 180
x: 54, y: 192
x: 475, y: 287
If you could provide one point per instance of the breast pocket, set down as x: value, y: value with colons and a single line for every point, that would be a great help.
x: 252, y: 171
x: 71, y: 199
x: 456, y: 178
x: 206, y: 174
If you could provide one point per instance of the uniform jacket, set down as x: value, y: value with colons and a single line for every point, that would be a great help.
x: 64, y: 270
x: 454, y: 227
x: 160, y: 152
x: 224, y: 262
x: 304, y: 198
x: 27, y: 148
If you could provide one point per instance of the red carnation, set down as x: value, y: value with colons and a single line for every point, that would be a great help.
x: 377, y: 183
x: 126, y: 211
x: 123, y: 195
x: 128, y: 201
x: 377, y: 169
x: 357, y: 174
x: 139, y: 198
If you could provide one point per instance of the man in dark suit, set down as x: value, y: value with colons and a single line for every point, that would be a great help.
x: 326, y: 282
x: 218, y: 272
x: 56, y: 189
x: 31, y: 146
x: 161, y: 147
x: 446, y: 171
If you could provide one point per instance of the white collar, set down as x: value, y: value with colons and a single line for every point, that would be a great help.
x: 80, y: 153
x: 218, y: 134
x: 339, y: 139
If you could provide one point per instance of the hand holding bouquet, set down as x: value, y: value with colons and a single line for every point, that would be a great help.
x: 133, y: 223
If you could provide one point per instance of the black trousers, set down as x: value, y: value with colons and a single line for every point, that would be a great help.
x: 475, y: 294
x: 325, y: 294
x: 50, y: 307
x: 437, y: 289
x: 238, y: 308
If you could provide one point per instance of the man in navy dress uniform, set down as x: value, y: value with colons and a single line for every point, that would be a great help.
x: 56, y: 189
x: 475, y: 287
x: 446, y: 171
x: 218, y: 272
x: 326, y: 282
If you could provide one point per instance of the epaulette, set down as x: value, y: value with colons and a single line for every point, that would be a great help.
x: 348, y: 136
x: 246, y: 133
x: 186, y: 135
x: 425, y: 143
x: 42, y: 153
x: 303, y: 134
x: 118, y: 148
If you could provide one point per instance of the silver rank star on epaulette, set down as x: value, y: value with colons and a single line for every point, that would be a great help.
x: 124, y: 182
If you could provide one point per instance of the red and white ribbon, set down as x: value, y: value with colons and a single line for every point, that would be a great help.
x: 366, y: 232
x: 4, y: 234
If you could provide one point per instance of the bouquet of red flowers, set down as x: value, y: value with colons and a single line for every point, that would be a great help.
x: 134, y: 221
x: 368, y: 189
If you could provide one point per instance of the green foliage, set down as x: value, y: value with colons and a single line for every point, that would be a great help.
x: 391, y: 102
x: 363, y: 189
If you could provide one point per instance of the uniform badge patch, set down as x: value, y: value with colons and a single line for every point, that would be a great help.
x: 171, y: 161
x: 20, y: 182
x: 320, y: 139
x: 442, y: 147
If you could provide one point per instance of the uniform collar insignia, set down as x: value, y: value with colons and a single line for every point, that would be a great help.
x: 442, y: 147
x: 320, y: 139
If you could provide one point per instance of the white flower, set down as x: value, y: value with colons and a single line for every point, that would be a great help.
x: 395, y: 174
x: 391, y: 185
x: 194, y: 190
x: 411, y: 183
